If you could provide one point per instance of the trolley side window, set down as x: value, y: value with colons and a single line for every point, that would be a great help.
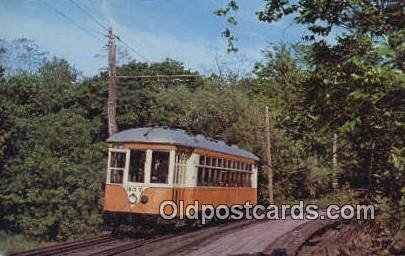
x: 160, y: 167
x: 117, y: 167
x: 222, y: 172
x: 136, y: 171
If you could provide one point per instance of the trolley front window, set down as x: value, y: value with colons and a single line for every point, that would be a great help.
x: 117, y: 166
x: 136, y: 171
x: 160, y: 167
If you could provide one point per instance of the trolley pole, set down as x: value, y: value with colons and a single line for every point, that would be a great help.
x: 112, y: 88
x: 269, y: 166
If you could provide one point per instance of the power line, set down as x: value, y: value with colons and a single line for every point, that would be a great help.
x: 72, y: 21
x: 131, y: 48
x: 106, y: 29
x: 189, y: 86
x: 158, y: 76
x: 89, y: 15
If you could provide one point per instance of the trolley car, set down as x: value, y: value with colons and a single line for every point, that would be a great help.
x: 147, y: 166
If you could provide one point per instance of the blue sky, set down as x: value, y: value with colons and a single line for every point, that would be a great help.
x: 185, y: 30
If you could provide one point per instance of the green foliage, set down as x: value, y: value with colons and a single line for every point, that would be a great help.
x: 322, y: 16
x: 232, y: 6
x: 138, y: 99
x: 362, y: 98
x: 298, y: 172
x: 51, y: 165
x: 2, y: 71
x: 356, y: 87
x: 343, y: 196
x: 52, y: 127
x: 21, y: 54
x: 66, y: 156
x: 16, y: 243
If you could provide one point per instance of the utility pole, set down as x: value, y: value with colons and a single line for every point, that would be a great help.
x: 334, y: 151
x: 112, y: 88
x: 269, y: 166
x: 334, y: 160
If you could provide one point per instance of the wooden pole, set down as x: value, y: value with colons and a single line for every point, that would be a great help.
x: 269, y: 166
x: 334, y: 160
x: 112, y: 90
x: 334, y: 151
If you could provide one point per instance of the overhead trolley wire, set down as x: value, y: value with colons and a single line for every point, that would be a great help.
x: 131, y: 48
x: 60, y: 13
x: 99, y: 23
x: 124, y: 79
x: 107, y: 30
x: 89, y: 15
x: 158, y: 76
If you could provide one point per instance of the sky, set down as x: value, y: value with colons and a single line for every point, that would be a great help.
x: 184, y: 30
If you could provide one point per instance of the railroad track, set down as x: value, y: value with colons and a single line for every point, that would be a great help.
x: 192, y: 242
x: 114, y: 246
x: 181, y: 244
x: 127, y: 247
x: 169, y: 244
x: 66, y: 246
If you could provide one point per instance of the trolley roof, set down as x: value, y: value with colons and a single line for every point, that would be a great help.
x: 177, y: 137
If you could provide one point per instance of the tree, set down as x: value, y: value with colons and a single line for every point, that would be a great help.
x: 53, y: 187
x: 355, y: 86
x: 21, y: 55
x: 300, y: 161
x: 51, y: 159
x: 2, y: 70
x: 137, y: 100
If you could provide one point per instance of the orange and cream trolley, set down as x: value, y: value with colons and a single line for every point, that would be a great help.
x: 147, y: 166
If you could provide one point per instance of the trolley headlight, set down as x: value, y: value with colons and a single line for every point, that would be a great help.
x: 144, y: 199
x: 132, y: 198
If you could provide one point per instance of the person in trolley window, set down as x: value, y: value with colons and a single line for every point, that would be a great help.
x: 160, y: 167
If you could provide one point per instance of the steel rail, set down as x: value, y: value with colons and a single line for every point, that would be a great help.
x: 65, y: 247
